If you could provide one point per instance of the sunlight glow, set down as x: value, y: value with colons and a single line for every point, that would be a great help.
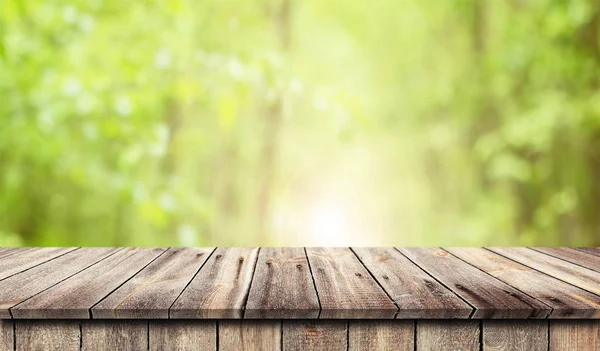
x: 327, y: 224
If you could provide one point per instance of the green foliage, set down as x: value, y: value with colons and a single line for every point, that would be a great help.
x: 285, y: 122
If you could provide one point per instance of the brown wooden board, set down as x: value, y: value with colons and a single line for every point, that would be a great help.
x: 560, y: 269
x: 221, y: 287
x: 579, y: 335
x: 6, y: 335
x: 250, y: 335
x: 282, y: 286
x: 182, y: 335
x: 447, y: 335
x: 47, y: 335
x: 315, y: 335
x: 74, y: 297
x: 381, y: 335
x: 515, y: 335
x: 7, y: 251
x: 578, y: 257
x: 415, y: 292
x: 490, y: 297
x: 106, y: 335
x: 27, y: 258
x: 150, y: 293
x: 345, y: 288
x: 21, y: 286
x: 590, y: 250
x: 566, y: 300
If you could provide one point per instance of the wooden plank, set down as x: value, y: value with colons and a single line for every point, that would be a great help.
x: 515, y: 335
x: 74, y: 297
x: 381, y: 335
x: 578, y: 257
x: 591, y: 250
x: 21, y: 286
x: 195, y: 335
x: 315, y: 335
x: 29, y: 257
x: 345, y: 288
x: 566, y: 300
x: 221, y: 287
x: 581, y: 335
x: 447, y: 335
x: 256, y: 335
x: 7, y: 251
x: 6, y: 335
x: 47, y: 335
x: 150, y: 293
x: 490, y: 297
x: 282, y: 286
x: 415, y: 292
x: 109, y: 335
x: 560, y: 269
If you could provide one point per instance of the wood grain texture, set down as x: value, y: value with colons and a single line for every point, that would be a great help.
x: 250, y: 335
x: 515, y: 335
x: 179, y: 335
x: 21, y: 286
x: 74, y: 297
x: 415, y: 292
x: 110, y: 335
x: 566, y: 300
x: 282, y: 286
x: 490, y: 297
x: 447, y: 335
x: 29, y: 257
x: 47, y: 335
x: 560, y: 269
x: 591, y: 250
x: 345, y: 288
x: 221, y: 287
x: 315, y: 335
x: 381, y: 335
x: 6, y: 335
x: 582, y: 335
x: 151, y: 292
x: 7, y: 251
x: 578, y: 257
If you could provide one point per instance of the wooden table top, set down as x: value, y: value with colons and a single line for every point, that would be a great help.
x: 299, y: 283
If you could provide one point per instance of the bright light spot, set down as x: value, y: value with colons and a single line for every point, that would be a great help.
x: 328, y: 225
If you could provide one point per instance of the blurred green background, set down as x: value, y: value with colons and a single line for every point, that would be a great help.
x: 299, y: 122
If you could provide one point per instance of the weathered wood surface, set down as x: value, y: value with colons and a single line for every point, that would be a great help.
x: 6, y: 335
x: 414, y: 291
x: 447, y: 335
x: 74, y: 297
x: 515, y: 335
x: 182, y: 335
x: 381, y: 335
x: 220, y: 290
x: 29, y: 257
x: 250, y: 335
x: 566, y: 300
x: 315, y: 335
x: 282, y: 286
x: 151, y: 292
x: 490, y: 297
x: 578, y: 257
x: 47, y: 335
x: 582, y: 335
x: 345, y: 288
x: 110, y: 335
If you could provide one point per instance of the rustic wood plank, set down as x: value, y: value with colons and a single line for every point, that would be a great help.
x: 415, y: 292
x: 490, y: 297
x: 7, y: 251
x: 29, y: 257
x: 180, y: 335
x: 74, y: 297
x: 447, y: 335
x: 566, y: 300
x: 345, y: 288
x: 47, y: 335
x: 515, y: 335
x: 315, y: 335
x: 560, y: 269
x: 581, y: 335
x: 6, y: 335
x: 150, y: 293
x: 591, y: 250
x: 581, y: 258
x: 381, y: 335
x: 282, y: 286
x: 221, y: 287
x: 110, y: 335
x: 256, y: 335
x: 21, y: 286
